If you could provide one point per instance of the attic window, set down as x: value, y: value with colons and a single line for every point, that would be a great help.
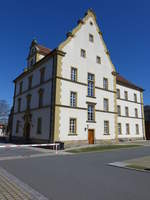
x: 91, y: 23
x: 91, y: 38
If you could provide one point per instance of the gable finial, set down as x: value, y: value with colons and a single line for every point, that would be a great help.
x: 90, y: 10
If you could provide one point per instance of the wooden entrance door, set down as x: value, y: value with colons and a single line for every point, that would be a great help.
x: 91, y: 136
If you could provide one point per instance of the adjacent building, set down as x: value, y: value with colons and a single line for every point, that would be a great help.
x: 147, y: 121
x: 74, y: 94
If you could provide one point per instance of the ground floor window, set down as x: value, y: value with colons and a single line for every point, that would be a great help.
x: 137, y: 129
x: 119, y: 129
x: 127, y: 129
x: 106, y: 127
x: 72, y: 126
x: 39, y: 125
x: 17, y: 126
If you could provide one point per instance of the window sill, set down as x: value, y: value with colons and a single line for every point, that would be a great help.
x: 106, y: 134
x: 91, y: 97
x: 88, y: 121
x: 71, y: 134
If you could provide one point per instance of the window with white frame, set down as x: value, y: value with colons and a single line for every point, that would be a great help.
x: 20, y: 87
x: 135, y: 97
x: 42, y: 75
x: 39, y: 125
x: 98, y: 59
x: 127, y: 129
x: 119, y: 110
x: 83, y: 53
x: 19, y: 104
x: 73, y: 74
x: 126, y: 111
x: 91, y: 86
x: 17, y: 126
x: 41, y: 95
x: 30, y: 82
x: 91, y: 38
x: 118, y: 94
x: 106, y: 104
x: 105, y: 83
x: 91, y: 112
x: 106, y: 127
x: 137, y: 129
x: 119, y: 129
x: 136, y: 112
x: 72, y: 126
x: 126, y: 95
x: 73, y: 99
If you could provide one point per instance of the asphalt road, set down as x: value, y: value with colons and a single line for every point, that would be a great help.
x: 83, y: 177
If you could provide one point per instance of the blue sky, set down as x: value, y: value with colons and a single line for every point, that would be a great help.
x: 125, y: 26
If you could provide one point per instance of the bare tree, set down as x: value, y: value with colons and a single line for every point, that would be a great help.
x: 4, y: 111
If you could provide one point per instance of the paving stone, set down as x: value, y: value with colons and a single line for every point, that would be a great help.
x: 12, y: 188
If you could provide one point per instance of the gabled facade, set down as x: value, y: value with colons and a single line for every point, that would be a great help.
x: 70, y: 94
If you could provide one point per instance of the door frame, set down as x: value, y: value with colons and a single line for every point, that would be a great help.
x: 90, y: 129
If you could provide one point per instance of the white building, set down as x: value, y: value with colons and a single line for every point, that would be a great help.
x: 70, y: 93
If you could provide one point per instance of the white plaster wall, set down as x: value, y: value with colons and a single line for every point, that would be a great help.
x: 44, y: 114
x: 85, y: 66
x: 130, y: 91
x: 36, y: 76
x: 131, y: 105
x: 81, y: 116
x: 132, y: 123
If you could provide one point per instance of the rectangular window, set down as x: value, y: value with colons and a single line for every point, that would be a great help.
x: 42, y: 75
x: 136, y: 112
x: 119, y: 110
x: 106, y: 106
x: 73, y: 99
x: 20, y: 87
x: 19, y: 105
x: 105, y: 83
x: 17, y: 126
x: 137, y: 129
x: 73, y: 74
x: 28, y: 101
x: 83, y: 53
x: 72, y: 126
x: 30, y: 82
x: 119, y: 129
x: 118, y: 94
x: 126, y: 95
x: 135, y: 97
x: 91, y: 38
x: 91, y: 85
x: 39, y: 125
x: 127, y: 129
x: 126, y: 111
x: 98, y: 59
x: 91, y: 112
x: 41, y: 91
x: 106, y: 127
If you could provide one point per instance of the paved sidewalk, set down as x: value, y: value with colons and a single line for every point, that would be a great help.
x: 12, y: 188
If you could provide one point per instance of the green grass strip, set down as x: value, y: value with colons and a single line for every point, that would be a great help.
x: 101, y: 148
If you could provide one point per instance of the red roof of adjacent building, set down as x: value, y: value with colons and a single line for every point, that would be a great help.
x: 122, y: 81
x: 43, y: 50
